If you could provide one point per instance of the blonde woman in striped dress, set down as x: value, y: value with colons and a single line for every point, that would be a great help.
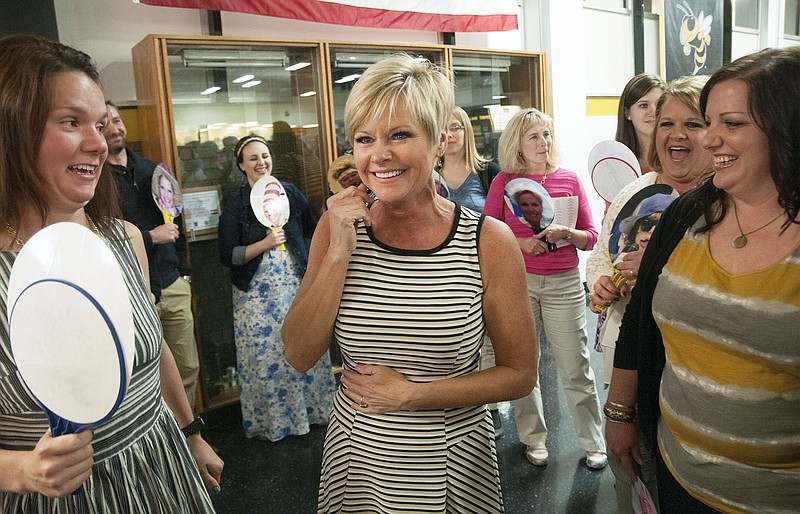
x: 708, y: 355
x: 408, y: 285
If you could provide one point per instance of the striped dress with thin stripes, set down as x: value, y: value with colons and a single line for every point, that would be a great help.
x: 420, y: 313
x: 142, y: 463
x: 730, y: 390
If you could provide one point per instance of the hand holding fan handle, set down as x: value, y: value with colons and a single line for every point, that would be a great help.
x: 551, y: 247
x: 618, y: 281
x: 280, y: 246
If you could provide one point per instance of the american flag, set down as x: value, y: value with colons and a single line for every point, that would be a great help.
x: 432, y: 15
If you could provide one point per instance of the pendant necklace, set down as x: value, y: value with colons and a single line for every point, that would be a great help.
x: 544, y: 179
x: 740, y: 241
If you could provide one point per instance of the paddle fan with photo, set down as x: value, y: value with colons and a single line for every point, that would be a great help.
x: 270, y: 204
x: 532, y: 205
x: 634, y: 225
x: 71, y: 326
x: 166, y: 193
x: 612, y: 166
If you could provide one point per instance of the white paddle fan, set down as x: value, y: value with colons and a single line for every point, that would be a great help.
x: 71, y: 326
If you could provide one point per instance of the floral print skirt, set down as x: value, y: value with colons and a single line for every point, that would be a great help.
x: 276, y: 399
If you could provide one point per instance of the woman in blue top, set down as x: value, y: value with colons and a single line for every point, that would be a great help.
x: 276, y: 400
x: 466, y: 173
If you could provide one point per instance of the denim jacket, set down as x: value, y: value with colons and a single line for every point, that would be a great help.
x: 238, y: 226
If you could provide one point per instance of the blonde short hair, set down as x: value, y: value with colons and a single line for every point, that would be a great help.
x: 509, y: 155
x: 424, y: 87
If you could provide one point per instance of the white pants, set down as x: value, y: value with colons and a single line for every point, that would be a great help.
x: 559, y: 304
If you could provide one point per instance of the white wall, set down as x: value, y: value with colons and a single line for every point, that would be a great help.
x: 108, y: 30
x: 608, y: 46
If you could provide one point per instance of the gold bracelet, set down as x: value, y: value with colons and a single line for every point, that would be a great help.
x: 618, y: 416
x: 618, y: 422
x: 620, y: 407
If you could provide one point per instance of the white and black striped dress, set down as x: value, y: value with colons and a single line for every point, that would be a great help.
x: 420, y: 313
x: 142, y: 463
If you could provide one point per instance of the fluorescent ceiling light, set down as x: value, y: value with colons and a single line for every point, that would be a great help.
x: 210, y: 90
x: 308, y: 93
x: 243, y: 78
x: 251, y: 83
x: 210, y: 58
x: 298, y: 66
x: 348, y: 78
x: 251, y: 124
x: 498, y: 97
x: 495, y: 64
x: 311, y: 125
x: 366, y: 58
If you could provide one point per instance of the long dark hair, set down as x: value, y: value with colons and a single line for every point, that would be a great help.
x: 28, y: 65
x: 636, y: 88
x: 773, y: 88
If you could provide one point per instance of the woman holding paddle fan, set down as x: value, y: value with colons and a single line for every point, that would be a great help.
x: 679, y: 160
x: 267, y: 265
x: 527, y: 153
x: 52, y: 150
x: 707, y: 357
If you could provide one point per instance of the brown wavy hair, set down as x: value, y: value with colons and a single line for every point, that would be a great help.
x: 773, y: 87
x: 28, y: 65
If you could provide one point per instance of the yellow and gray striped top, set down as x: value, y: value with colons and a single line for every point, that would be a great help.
x: 730, y: 391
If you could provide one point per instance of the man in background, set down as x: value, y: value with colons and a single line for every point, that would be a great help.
x: 165, y: 244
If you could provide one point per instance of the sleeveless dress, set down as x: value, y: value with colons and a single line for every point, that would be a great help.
x: 420, y: 313
x: 142, y: 462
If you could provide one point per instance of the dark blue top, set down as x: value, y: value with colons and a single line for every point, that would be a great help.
x: 238, y: 226
x: 134, y: 184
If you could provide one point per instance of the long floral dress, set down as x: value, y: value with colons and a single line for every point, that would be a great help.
x: 276, y: 399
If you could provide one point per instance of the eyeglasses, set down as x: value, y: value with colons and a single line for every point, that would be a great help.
x: 647, y: 224
x: 455, y: 127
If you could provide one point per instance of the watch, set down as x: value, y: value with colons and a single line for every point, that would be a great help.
x: 194, y: 427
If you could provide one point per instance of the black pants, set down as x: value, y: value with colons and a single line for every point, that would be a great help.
x: 672, y: 497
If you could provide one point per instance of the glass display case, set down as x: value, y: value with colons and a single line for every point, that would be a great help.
x: 491, y: 87
x: 198, y: 95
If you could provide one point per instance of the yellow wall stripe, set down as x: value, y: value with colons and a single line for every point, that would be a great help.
x: 602, y: 105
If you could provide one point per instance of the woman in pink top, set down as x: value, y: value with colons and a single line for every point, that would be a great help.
x: 556, y: 293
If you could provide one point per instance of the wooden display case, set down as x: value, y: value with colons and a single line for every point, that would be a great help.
x: 198, y: 94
